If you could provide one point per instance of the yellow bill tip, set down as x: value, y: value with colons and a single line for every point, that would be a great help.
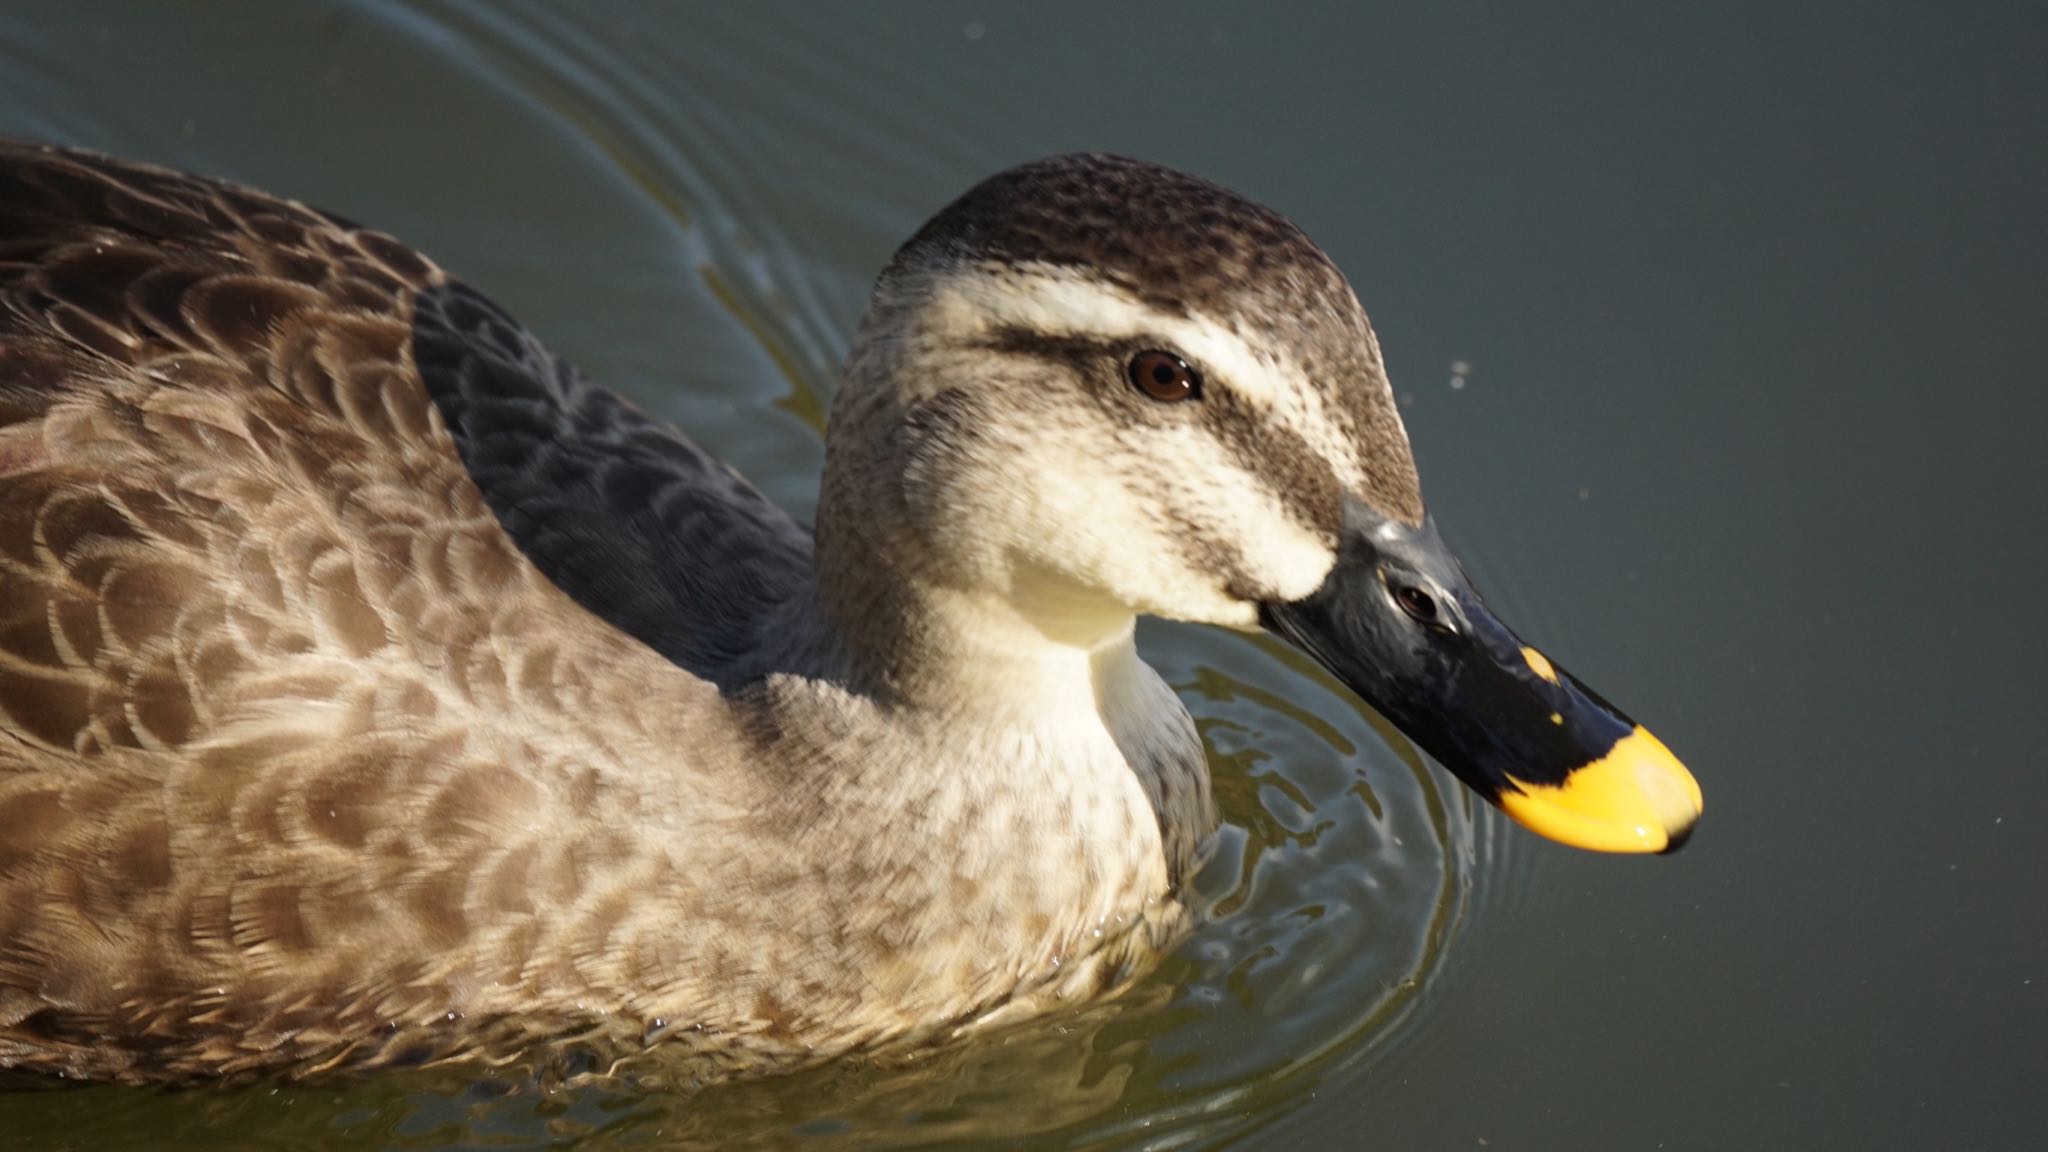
x: 1637, y: 798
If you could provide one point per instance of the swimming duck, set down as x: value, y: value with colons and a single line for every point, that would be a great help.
x: 375, y: 688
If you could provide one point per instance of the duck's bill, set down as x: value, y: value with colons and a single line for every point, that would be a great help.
x: 1397, y: 622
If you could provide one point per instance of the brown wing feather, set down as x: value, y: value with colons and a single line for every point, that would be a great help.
x: 271, y: 778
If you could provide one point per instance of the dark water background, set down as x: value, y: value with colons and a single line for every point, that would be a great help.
x: 1720, y: 330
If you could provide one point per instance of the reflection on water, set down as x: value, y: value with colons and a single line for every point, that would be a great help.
x: 619, y: 98
x: 1340, y: 881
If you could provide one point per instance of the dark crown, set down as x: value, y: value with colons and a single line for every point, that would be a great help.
x: 1176, y: 241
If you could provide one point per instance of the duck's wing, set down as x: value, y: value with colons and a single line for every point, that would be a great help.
x: 293, y: 735
x: 642, y: 527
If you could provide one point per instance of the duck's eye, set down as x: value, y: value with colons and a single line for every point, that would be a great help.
x: 1416, y: 603
x: 1165, y: 377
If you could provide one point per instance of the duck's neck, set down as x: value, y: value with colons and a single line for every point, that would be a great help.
x: 907, y: 640
x: 922, y: 630
x: 1021, y: 668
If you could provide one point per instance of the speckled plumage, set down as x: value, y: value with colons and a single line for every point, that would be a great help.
x: 373, y: 688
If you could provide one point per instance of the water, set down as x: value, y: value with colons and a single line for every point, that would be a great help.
x: 1720, y: 332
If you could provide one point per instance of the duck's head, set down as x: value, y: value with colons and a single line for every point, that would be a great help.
x: 1100, y: 388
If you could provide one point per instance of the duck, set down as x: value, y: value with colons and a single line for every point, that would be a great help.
x: 375, y: 689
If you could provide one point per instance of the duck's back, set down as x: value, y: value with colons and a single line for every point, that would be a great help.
x: 328, y: 605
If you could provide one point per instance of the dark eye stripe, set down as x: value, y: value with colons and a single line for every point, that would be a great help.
x: 1086, y: 352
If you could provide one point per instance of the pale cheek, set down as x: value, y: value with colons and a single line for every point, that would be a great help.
x: 1276, y: 555
x: 1074, y: 528
x: 1169, y: 588
x: 1289, y: 561
x: 1067, y: 520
